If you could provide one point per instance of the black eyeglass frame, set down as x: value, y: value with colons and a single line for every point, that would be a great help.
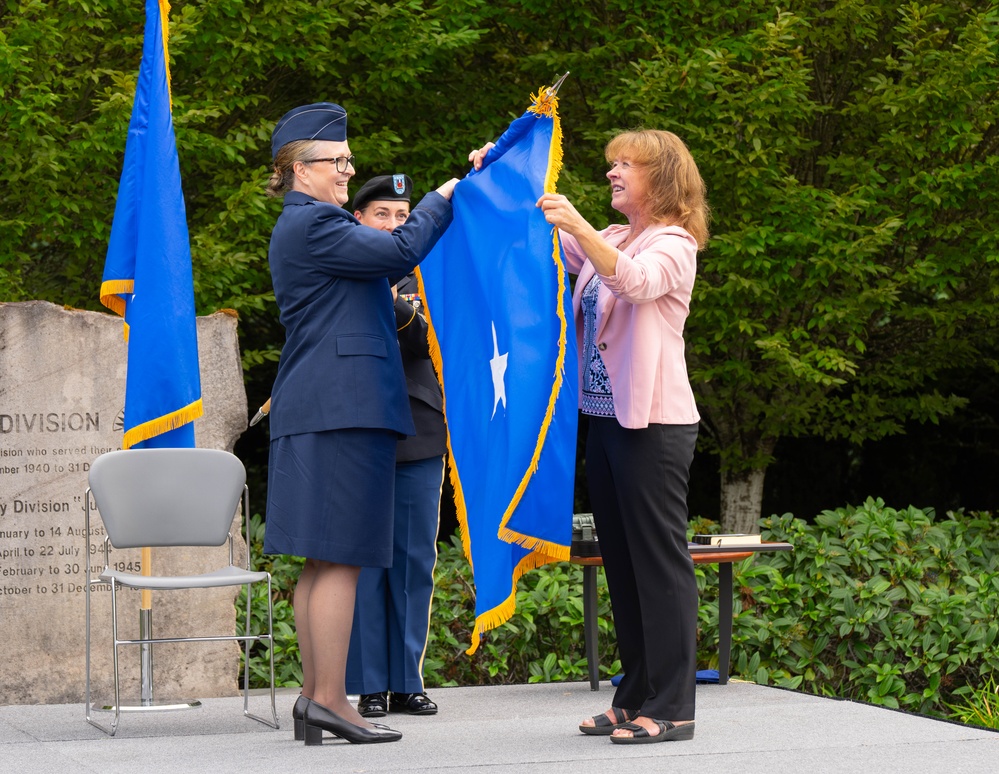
x: 340, y: 167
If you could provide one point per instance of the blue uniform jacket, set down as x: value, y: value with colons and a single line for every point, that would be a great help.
x: 340, y: 366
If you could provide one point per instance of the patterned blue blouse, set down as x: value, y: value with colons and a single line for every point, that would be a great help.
x: 597, y: 399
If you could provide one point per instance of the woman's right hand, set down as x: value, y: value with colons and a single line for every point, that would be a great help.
x: 560, y: 212
x: 448, y: 188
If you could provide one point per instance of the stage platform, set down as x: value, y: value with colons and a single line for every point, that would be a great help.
x: 523, y: 729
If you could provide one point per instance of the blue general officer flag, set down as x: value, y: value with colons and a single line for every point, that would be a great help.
x: 497, y: 301
x: 147, y: 276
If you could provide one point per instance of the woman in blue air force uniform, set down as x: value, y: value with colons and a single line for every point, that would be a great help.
x: 339, y: 400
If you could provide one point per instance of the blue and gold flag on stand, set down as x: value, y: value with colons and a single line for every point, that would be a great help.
x: 147, y: 276
x: 498, y: 307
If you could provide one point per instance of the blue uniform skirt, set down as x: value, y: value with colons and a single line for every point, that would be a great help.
x: 330, y: 496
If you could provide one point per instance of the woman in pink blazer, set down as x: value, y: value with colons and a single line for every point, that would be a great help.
x: 631, y: 301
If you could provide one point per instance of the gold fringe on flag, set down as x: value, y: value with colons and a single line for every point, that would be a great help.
x: 163, y: 424
x: 459, y: 496
x: 165, y: 25
x: 502, y: 613
x: 111, y: 292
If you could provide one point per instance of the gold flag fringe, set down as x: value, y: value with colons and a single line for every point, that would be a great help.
x: 165, y: 29
x: 160, y: 425
x: 435, y: 358
x: 111, y: 292
x: 502, y: 613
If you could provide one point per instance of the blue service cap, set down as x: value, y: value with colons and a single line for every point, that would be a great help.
x: 384, y: 188
x: 318, y: 121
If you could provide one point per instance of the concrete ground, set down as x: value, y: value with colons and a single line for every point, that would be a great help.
x: 527, y: 729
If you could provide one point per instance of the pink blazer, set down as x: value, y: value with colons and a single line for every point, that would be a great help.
x: 641, y: 311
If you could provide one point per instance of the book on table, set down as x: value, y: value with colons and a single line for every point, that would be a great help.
x: 731, y: 539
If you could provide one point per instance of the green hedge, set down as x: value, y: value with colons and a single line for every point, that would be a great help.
x: 891, y: 607
x: 542, y: 642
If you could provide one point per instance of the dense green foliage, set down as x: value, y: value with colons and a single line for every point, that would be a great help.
x: 878, y: 605
x: 853, y: 163
x: 850, y: 147
x: 891, y: 607
x: 542, y: 642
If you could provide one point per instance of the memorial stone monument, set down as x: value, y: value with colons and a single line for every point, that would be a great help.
x: 62, y: 388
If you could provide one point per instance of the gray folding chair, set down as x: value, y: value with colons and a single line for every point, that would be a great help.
x: 172, y: 497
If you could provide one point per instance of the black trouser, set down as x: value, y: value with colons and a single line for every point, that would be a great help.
x: 638, y: 489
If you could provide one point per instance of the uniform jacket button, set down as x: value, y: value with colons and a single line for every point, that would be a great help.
x: 602, y: 346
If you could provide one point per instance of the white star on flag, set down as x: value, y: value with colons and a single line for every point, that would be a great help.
x: 498, y: 367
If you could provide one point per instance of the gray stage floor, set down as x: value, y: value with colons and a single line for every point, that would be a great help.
x: 528, y: 729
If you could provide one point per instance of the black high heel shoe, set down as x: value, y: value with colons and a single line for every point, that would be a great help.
x: 298, y: 716
x: 318, y: 719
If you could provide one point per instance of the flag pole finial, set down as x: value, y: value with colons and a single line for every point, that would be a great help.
x: 555, y: 86
x: 546, y: 100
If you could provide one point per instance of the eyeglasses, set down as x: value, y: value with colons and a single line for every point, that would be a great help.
x: 341, y: 162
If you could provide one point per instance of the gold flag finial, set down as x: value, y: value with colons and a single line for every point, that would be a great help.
x: 546, y: 100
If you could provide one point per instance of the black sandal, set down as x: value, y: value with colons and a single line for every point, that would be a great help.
x: 668, y: 732
x: 603, y: 726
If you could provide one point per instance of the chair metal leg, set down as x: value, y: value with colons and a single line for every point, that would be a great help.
x: 88, y: 702
x: 590, y: 624
x: 114, y: 634
x: 269, y: 639
x: 88, y: 698
x: 270, y: 649
x: 246, y: 652
x: 248, y: 631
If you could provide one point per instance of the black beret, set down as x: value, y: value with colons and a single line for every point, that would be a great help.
x: 319, y: 121
x: 384, y: 188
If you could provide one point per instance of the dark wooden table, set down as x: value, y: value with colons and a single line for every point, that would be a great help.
x: 722, y: 556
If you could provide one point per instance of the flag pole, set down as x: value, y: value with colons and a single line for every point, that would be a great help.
x: 146, y: 554
x: 146, y: 602
x: 162, y: 391
x: 145, y: 633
